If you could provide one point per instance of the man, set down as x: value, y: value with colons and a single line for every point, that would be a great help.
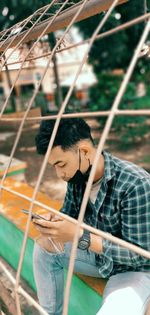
x: 119, y: 203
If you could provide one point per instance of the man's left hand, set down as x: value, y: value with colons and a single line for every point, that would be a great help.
x: 61, y: 230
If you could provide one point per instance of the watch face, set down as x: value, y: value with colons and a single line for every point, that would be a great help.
x: 84, y: 241
x: 83, y: 244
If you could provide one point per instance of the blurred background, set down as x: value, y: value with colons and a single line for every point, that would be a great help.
x: 95, y: 88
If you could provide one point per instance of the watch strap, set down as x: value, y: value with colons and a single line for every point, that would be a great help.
x: 85, y: 238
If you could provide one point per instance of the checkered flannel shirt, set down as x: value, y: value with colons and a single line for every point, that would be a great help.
x: 122, y: 208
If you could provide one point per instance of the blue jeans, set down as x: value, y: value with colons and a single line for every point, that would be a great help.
x: 125, y: 293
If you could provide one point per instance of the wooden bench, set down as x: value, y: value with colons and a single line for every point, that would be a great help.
x: 10, y: 208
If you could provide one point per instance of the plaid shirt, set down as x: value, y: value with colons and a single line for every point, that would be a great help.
x: 122, y: 208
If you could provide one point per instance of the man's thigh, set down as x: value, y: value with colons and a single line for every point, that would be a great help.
x: 126, y: 293
x: 84, y: 261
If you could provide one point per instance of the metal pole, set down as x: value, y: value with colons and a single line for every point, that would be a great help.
x: 93, y: 7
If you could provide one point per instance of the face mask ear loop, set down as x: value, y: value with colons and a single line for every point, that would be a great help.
x: 79, y: 159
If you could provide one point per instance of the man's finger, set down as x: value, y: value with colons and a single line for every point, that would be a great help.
x: 44, y: 223
x: 45, y: 231
x: 56, y: 218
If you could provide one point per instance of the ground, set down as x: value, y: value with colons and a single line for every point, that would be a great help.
x: 138, y: 153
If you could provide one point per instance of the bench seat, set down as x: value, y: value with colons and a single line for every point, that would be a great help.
x: 10, y: 209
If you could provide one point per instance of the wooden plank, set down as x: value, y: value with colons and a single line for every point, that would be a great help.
x: 97, y: 284
x: 92, y: 8
x: 11, y: 205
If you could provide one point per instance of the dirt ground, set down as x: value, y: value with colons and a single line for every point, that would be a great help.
x: 50, y: 184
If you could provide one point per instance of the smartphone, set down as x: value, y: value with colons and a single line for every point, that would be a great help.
x: 34, y: 215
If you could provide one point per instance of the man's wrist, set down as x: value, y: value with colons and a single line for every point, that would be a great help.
x: 95, y: 241
x: 85, y: 240
x: 96, y: 244
x: 74, y: 232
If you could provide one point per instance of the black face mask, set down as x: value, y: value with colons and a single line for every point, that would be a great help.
x: 79, y: 178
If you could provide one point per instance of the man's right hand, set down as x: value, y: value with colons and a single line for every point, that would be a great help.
x: 51, y: 217
x: 43, y: 240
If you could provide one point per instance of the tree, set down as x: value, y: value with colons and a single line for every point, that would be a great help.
x: 13, y: 12
x: 115, y: 52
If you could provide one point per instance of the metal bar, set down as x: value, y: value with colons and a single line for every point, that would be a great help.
x: 111, y: 31
x: 123, y: 112
x: 9, y: 37
x: 82, y: 211
x: 79, y: 224
x: 104, y: 235
x: 11, y: 43
x: 37, y: 203
x: 26, y: 33
x: 4, y: 34
x: 36, y: 91
x: 22, y: 291
x: 40, y: 204
x: 7, y: 300
x: 102, y: 142
x: 93, y: 7
x: 103, y: 35
x: 53, y: 51
x: 12, y: 153
x: 44, y: 162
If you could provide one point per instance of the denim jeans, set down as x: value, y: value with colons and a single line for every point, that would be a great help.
x: 125, y: 293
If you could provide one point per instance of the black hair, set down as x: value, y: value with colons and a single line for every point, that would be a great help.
x: 69, y: 133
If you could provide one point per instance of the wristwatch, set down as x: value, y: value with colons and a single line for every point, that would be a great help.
x: 84, y: 241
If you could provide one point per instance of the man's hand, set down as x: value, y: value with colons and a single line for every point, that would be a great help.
x: 50, y: 217
x: 61, y: 231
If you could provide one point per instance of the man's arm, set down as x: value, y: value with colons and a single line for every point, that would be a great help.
x: 135, y: 226
x: 96, y: 244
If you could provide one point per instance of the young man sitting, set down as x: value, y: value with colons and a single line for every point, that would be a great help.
x: 119, y: 203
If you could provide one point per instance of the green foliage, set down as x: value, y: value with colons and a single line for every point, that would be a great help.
x: 116, y: 50
x: 106, y: 89
x: 101, y: 99
x: 102, y: 56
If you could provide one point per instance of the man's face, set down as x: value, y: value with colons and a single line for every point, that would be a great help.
x: 66, y: 163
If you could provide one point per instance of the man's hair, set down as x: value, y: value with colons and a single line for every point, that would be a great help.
x: 69, y: 133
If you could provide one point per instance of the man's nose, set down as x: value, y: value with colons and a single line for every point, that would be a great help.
x: 59, y: 173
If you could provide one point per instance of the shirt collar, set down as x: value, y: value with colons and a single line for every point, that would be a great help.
x: 109, y: 168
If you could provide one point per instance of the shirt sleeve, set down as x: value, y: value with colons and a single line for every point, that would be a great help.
x: 135, y: 227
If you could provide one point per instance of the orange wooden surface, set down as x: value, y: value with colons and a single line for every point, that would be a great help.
x: 11, y: 205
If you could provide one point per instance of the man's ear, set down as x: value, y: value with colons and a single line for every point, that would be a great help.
x: 85, y: 149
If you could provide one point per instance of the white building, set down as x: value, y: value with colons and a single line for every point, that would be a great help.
x: 68, y: 62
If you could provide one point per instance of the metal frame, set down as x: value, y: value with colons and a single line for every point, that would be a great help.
x: 66, y: 17
x: 92, y: 7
